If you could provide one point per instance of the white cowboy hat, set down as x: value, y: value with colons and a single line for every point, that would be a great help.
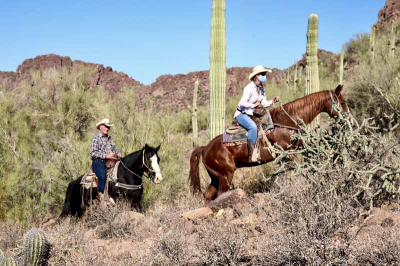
x: 105, y: 122
x: 257, y: 70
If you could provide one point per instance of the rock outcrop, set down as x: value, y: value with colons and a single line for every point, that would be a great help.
x: 390, y: 12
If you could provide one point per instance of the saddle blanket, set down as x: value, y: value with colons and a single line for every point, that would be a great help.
x: 89, y: 180
x: 240, y: 138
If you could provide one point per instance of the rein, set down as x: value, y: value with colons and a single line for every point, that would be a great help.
x: 294, y: 121
x: 133, y: 187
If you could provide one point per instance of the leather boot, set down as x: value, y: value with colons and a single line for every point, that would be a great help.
x: 251, y: 149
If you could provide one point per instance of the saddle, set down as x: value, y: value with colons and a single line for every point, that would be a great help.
x: 90, y: 180
x: 261, y: 117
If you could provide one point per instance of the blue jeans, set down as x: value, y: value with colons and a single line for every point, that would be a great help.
x: 99, y: 168
x: 246, y: 122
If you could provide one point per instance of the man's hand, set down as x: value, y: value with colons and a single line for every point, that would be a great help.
x: 119, y: 155
x: 110, y: 155
x: 276, y: 99
x: 256, y: 104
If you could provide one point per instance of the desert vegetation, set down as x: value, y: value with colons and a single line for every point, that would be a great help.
x: 337, y: 204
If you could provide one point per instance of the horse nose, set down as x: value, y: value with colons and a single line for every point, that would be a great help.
x: 158, y: 179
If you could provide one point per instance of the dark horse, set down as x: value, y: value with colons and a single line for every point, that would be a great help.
x: 221, y: 161
x: 129, y: 184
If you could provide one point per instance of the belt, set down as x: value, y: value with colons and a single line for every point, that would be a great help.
x: 98, y: 159
x: 243, y: 112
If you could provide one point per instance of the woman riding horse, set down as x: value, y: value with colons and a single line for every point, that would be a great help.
x: 221, y: 160
x: 253, y: 96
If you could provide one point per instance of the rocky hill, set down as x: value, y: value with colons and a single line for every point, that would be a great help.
x: 170, y: 92
x: 390, y: 12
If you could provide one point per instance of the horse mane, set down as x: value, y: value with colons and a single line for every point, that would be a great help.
x: 306, y: 108
x: 133, y: 157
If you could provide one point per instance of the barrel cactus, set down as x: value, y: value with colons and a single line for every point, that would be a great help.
x: 8, y: 261
x: 36, y: 248
x: 217, y: 75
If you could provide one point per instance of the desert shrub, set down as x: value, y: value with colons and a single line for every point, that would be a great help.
x: 374, y: 83
x: 343, y: 171
x: 222, y: 244
x: 382, y: 247
x: 357, y: 49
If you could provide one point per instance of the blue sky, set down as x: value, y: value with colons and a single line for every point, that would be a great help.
x: 146, y: 39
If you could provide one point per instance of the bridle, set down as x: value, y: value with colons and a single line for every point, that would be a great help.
x: 136, y: 187
x: 145, y: 163
x: 338, y: 103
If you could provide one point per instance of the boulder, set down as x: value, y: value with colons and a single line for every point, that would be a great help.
x: 197, y: 214
x: 227, y: 199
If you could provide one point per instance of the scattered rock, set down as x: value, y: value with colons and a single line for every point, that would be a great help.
x: 197, y: 214
x: 227, y: 199
x: 49, y: 224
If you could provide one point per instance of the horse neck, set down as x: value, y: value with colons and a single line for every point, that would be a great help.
x: 308, y: 107
x: 134, y: 162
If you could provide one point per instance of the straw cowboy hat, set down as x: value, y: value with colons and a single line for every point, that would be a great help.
x: 105, y: 122
x: 257, y: 70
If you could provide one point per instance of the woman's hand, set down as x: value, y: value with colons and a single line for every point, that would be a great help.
x: 276, y: 99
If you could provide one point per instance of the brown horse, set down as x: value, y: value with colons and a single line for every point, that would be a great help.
x: 221, y: 161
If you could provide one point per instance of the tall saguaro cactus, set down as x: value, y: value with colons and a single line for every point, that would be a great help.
x: 392, y: 41
x: 312, y: 70
x: 341, y: 66
x: 194, y: 115
x: 217, y: 75
x: 372, y: 43
x: 295, y: 80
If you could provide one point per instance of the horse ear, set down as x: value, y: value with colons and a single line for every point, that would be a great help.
x: 158, y: 148
x: 146, y: 147
x: 338, y: 89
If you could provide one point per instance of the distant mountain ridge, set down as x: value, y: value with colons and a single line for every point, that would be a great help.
x: 170, y: 92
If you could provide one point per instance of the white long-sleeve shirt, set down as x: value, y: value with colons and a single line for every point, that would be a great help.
x: 251, y: 95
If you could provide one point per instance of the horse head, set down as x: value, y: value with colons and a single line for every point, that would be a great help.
x: 151, y: 160
x: 336, y: 103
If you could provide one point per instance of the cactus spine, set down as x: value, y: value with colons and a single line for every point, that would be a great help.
x: 372, y: 43
x: 36, y: 248
x: 341, y: 66
x: 194, y: 115
x: 217, y: 75
x: 8, y: 261
x: 392, y: 41
x: 312, y: 70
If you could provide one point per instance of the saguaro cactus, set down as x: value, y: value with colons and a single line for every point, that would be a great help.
x: 341, y: 66
x: 217, y: 76
x: 36, y: 248
x: 312, y: 70
x: 288, y: 80
x: 295, y: 80
x: 372, y: 43
x: 392, y: 43
x: 194, y: 115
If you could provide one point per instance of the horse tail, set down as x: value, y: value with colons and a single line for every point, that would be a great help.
x: 67, y: 203
x: 194, y: 175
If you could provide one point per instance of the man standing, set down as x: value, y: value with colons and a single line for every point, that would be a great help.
x: 102, y: 148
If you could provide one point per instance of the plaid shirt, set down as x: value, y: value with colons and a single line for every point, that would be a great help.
x: 101, y: 146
